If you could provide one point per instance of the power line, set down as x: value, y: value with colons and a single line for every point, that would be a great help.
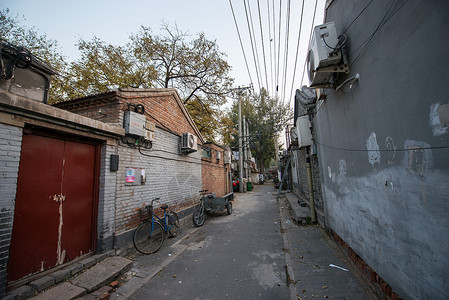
x: 287, y: 33
x: 279, y: 47
x: 271, y: 52
x: 361, y: 12
x: 252, y: 45
x: 241, y: 44
x: 297, y: 52
x: 310, y: 36
x: 263, y: 44
x: 274, y: 50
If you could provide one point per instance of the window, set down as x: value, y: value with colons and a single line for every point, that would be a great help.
x: 206, y: 152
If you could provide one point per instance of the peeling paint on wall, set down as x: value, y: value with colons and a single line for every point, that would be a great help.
x: 373, y: 149
x: 389, y: 144
x: 439, y: 118
x: 342, y: 165
x: 417, y: 158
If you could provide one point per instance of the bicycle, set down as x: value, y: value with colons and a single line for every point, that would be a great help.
x: 199, y: 215
x: 149, y: 236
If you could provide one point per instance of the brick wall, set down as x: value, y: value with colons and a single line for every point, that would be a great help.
x: 173, y: 177
x: 10, y: 146
x: 106, y: 200
x: 301, y: 187
x: 213, y: 172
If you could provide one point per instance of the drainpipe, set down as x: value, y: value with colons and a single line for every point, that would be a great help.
x: 309, y: 177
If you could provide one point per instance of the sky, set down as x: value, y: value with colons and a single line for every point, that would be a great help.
x: 114, y: 21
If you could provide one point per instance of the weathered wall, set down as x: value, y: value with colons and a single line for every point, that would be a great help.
x: 106, y: 200
x: 10, y: 147
x: 170, y: 176
x: 383, y: 145
x: 213, y: 172
x: 301, y: 181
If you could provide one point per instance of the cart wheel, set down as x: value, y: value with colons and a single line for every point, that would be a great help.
x: 229, y: 207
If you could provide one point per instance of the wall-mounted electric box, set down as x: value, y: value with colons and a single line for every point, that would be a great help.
x: 227, y: 157
x: 303, y: 131
x: 135, y: 123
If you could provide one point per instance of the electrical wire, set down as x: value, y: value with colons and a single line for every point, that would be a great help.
x: 252, y: 45
x: 310, y: 36
x: 263, y: 44
x: 241, y: 44
x: 370, y: 38
x: 279, y: 46
x: 274, y: 49
x: 271, y: 52
x: 382, y: 150
x: 361, y: 12
x: 255, y: 44
x: 287, y: 33
x: 297, y: 53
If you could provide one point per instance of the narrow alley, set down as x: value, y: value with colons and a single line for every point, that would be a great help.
x: 246, y: 255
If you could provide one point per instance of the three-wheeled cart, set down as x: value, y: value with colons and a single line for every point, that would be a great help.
x: 210, y: 203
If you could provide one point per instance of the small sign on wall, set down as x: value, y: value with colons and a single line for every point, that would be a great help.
x: 135, y: 176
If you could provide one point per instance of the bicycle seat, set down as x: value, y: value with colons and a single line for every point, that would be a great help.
x: 165, y: 206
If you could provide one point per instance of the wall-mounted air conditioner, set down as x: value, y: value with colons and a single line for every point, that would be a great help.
x: 227, y: 157
x: 303, y: 131
x: 188, y: 142
x: 218, y: 155
x: 326, y: 56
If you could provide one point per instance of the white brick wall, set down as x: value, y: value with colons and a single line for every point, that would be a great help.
x: 10, y: 145
x: 171, y: 176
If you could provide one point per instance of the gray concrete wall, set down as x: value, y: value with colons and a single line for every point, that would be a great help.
x: 10, y: 147
x: 106, y: 200
x: 384, y: 174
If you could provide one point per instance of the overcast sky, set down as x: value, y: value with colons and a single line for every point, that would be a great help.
x: 113, y: 21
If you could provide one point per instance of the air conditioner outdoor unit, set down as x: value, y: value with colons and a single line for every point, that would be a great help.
x: 188, y: 142
x: 218, y: 155
x: 325, y: 55
x: 227, y: 157
x: 303, y: 131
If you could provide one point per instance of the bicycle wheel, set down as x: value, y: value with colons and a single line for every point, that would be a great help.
x: 229, y: 208
x: 173, y: 223
x: 199, y: 217
x: 148, y: 240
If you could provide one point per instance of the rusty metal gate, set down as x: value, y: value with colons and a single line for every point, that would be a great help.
x: 56, y: 206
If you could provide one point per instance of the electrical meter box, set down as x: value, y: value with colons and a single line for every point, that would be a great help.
x: 303, y: 132
x: 135, y: 123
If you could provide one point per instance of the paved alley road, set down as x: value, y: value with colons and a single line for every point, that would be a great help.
x: 238, y: 256
x: 245, y: 255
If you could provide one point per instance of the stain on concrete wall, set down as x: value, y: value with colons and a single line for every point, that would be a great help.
x: 439, y: 118
x: 384, y: 145
x: 373, y: 149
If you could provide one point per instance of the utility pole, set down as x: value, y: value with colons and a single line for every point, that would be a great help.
x: 239, y: 92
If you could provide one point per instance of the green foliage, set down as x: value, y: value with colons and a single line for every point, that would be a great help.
x: 266, y: 117
x: 196, y: 68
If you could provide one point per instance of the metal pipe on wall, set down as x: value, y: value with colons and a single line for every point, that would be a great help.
x: 312, y: 199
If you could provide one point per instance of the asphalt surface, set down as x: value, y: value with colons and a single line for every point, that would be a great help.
x: 257, y: 252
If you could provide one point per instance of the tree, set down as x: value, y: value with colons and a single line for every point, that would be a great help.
x: 266, y: 117
x: 196, y: 68
x: 105, y: 67
x: 42, y: 47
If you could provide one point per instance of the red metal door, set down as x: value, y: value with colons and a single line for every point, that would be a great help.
x: 54, y: 209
